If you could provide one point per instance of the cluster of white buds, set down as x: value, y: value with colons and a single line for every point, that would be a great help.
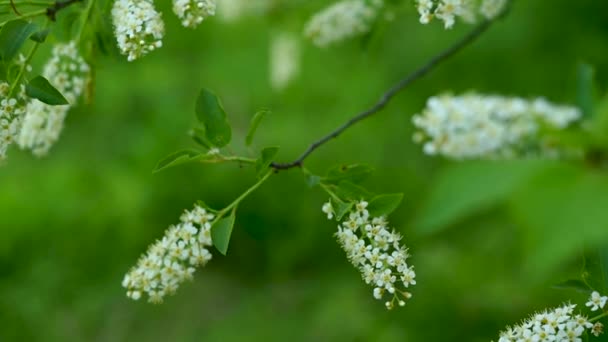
x: 487, y: 126
x: 342, y: 20
x: 12, y: 109
x: 67, y: 71
x: 193, y: 12
x: 284, y: 60
x: 138, y: 27
x: 375, y: 250
x: 172, y: 260
x: 448, y: 10
x: 559, y: 324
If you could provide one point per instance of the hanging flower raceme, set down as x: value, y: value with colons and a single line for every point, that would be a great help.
x: 193, y: 12
x: 468, y: 10
x: 343, y: 20
x: 138, y: 27
x: 172, y: 260
x: 284, y: 60
x: 12, y: 109
x: 376, y: 251
x: 480, y: 126
x: 67, y: 71
x: 560, y: 324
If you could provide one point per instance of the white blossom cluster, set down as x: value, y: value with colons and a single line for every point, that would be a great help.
x: 193, y: 12
x: 12, y: 109
x: 596, y: 301
x: 284, y: 60
x: 559, y: 325
x: 172, y: 260
x: 138, y: 27
x: 489, y: 126
x: 342, y: 20
x: 375, y: 250
x: 448, y: 10
x: 67, y: 71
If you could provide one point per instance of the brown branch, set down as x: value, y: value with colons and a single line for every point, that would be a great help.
x: 388, y: 96
x: 51, y: 11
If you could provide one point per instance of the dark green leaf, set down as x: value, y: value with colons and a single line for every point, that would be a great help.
x: 585, y: 93
x: 180, y: 157
x: 255, y: 122
x: 383, y: 205
x: 211, y: 114
x: 341, y: 208
x: 40, y: 88
x: 573, y: 284
x: 221, y: 232
x: 199, y: 137
x: 40, y: 36
x: 12, y: 37
x: 266, y: 158
x: 354, y: 173
x: 349, y: 191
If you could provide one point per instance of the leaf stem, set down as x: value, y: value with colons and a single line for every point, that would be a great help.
x: 598, y: 317
x: 84, y: 18
x: 236, y: 202
x: 27, y: 60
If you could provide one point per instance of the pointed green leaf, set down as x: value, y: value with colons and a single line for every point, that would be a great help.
x: 312, y: 180
x: 383, y: 205
x: 349, y: 191
x: 40, y: 88
x: 12, y: 37
x: 573, y: 284
x: 341, y: 208
x: 266, y: 158
x: 211, y: 114
x: 221, y: 231
x: 180, y: 157
x: 40, y: 36
x: 354, y: 173
x: 255, y: 122
x: 199, y: 137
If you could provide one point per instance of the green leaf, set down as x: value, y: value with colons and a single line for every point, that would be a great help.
x: 354, y: 173
x: 312, y: 180
x: 12, y: 37
x: 40, y: 36
x: 40, y: 88
x: 266, y: 158
x: 180, y: 157
x: 199, y: 137
x: 255, y: 122
x: 383, y: 205
x: 211, y: 114
x: 573, y: 284
x: 221, y: 231
x: 349, y: 191
x: 341, y: 208
x: 464, y: 189
x: 585, y: 92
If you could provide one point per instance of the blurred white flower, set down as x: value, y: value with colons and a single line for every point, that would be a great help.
x: 559, y: 324
x: 172, y: 260
x: 12, y: 110
x: 377, y: 252
x: 488, y: 126
x: 67, y: 71
x: 193, y: 12
x: 449, y: 10
x: 138, y: 27
x: 284, y: 60
x: 342, y: 20
x: 596, y: 301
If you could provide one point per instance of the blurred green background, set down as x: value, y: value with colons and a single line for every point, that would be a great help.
x: 488, y: 239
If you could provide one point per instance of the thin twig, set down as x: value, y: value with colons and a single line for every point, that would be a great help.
x: 51, y: 11
x: 387, y: 96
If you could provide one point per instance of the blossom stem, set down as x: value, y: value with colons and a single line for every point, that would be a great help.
x: 598, y: 317
x: 236, y: 202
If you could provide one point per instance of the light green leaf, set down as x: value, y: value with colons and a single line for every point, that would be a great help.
x: 40, y: 88
x: 266, y: 158
x: 255, y: 122
x: 573, y: 284
x: 383, y: 205
x: 12, y: 37
x: 199, y: 137
x: 464, y: 189
x: 341, y: 208
x: 312, y: 180
x: 221, y: 231
x: 349, y: 191
x: 585, y: 92
x: 179, y: 158
x: 354, y: 173
x: 211, y: 114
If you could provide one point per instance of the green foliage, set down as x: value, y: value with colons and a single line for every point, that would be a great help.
x: 40, y: 88
x: 585, y: 95
x: 40, y: 35
x: 179, y: 158
x: 355, y: 173
x: 266, y: 157
x: 12, y: 37
x: 211, y: 114
x: 573, y: 284
x: 255, y: 122
x: 383, y: 205
x: 221, y: 231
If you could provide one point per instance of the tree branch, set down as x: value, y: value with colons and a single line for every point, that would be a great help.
x: 52, y: 11
x: 388, y: 96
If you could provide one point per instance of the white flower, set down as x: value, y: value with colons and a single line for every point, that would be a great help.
x: 284, y: 60
x: 489, y: 126
x: 67, y: 71
x: 193, y: 12
x: 342, y: 20
x: 12, y: 110
x: 382, y: 264
x: 138, y: 27
x: 491, y: 8
x: 559, y: 324
x: 596, y: 301
x: 449, y: 10
x: 172, y: 260
x: 328, y: 209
